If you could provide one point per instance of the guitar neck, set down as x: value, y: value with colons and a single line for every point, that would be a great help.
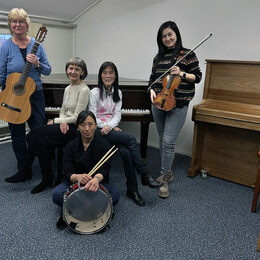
x: 28, y: 65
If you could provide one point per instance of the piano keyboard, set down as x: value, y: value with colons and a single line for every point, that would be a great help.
x: 135, y: 112
x: 52, y: 109
x: 124, y: 111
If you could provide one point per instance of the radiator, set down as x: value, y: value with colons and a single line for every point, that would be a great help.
x: 4, y: 131
x: 3, y: 124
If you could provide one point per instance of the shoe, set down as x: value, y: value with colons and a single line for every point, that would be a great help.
x: 165, y: 177
x: 40, y: 187
x: 20, y: 176
x: 60, y: 223
x: 47, y: 177
x: 136, y: 197
x: 148, y: 180
x: 163, y: 191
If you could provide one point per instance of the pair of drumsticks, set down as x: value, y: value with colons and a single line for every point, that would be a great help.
x: 103, y: 160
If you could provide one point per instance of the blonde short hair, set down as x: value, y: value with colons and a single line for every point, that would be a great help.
x: 21, y: 14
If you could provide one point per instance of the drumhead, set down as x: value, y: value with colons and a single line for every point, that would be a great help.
x: 87, y: 212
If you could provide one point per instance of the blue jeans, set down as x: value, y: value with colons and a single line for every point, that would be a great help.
x: 58, y: 192
x: 17, y: 131
x: 130, y: 153
x: 168, y: 125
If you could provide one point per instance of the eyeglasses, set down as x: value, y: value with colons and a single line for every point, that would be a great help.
x: 17, y: 21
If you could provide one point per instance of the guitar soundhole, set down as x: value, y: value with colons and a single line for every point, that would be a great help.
x: 18, y: 90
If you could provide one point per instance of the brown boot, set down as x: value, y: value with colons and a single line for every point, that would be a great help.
x: 163, y: 191
x: 165, y: 177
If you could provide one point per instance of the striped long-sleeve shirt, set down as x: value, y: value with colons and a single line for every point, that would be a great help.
x: 189, y: 64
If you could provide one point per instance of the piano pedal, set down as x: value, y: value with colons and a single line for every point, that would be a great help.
x: 204, y: 174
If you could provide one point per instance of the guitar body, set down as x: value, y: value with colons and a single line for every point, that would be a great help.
x: 15, y: 104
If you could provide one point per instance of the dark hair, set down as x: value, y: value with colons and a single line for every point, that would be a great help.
x: 76, y: 61
x: 161, y: 47
x: 83, y: 115
x: 106, y: 64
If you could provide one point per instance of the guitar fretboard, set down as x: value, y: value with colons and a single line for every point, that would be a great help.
x: 28, y: 65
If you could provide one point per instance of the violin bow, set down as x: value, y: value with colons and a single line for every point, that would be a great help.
x: 178, y: 61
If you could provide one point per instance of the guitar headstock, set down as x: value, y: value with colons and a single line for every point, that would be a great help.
x: 41, y: 34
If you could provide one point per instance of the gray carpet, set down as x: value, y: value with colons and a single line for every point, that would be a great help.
x: 202, y: 219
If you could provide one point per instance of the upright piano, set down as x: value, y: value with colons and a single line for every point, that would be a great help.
x: 227, y: 122
x: 135, y: 104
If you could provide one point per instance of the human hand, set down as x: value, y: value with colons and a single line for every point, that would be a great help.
x: 51, y: 122
x: 32, y: 58
x: 92, y: 185
x: 64, y: 127
x: 117, y: 129
x: 152, y: 95
x: 83, y: 178
x: 105, y: 130
x: 175, y: 70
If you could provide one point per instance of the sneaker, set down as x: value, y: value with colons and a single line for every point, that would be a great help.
x: 165, y: 177
x: 163, y: 191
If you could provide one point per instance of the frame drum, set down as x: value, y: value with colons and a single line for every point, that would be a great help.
x: 87, y: 212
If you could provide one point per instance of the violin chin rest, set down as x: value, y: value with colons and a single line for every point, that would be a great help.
x: 159, y: 105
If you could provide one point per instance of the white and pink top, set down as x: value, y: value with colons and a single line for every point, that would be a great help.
x: 107, y: 112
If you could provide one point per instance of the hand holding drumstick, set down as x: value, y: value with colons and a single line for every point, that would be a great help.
x: 92, y: 184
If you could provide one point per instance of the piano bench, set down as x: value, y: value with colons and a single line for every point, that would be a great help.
x: 257, y: 187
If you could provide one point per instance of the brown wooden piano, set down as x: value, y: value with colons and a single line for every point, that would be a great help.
x: 227, y: 122
x: 136, y: 102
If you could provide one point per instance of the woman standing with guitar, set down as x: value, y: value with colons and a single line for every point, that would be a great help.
x: 14, y: 54
x: 169, y: 123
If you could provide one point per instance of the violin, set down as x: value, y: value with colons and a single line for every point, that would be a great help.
x: 165, y: 100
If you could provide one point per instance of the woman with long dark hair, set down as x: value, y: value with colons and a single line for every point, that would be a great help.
x: 169, y: 123
x: 106, y: 103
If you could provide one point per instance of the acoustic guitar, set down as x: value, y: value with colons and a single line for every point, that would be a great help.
x: 15, y: 104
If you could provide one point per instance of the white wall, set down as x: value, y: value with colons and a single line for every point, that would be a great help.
x: 59, y: 47
x: 124, y: 31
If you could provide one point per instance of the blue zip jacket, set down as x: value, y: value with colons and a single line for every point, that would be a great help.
x: 11, y: 61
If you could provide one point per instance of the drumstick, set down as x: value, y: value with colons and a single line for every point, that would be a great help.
x: 102, y: 161
x: 93, y: 171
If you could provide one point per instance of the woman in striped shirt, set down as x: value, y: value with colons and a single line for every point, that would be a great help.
x: 169, y: 123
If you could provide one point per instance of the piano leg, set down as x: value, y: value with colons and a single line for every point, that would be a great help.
x: 144, y: 138
x: 196, y: 150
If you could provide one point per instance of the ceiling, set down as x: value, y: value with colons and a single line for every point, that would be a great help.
x: 68, y: 10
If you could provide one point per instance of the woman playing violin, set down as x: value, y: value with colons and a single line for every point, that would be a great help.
x: 169, y: 123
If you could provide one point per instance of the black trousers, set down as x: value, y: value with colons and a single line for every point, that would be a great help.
x: 37, y: 119
x: 43, y: 140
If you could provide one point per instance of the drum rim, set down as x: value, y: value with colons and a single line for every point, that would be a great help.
x: 74, y: 188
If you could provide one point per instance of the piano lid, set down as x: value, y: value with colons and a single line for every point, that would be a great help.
x: 91, y: 79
